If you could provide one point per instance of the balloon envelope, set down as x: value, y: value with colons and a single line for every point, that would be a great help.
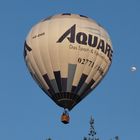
x: 133, y: 69
x: 68, y: 55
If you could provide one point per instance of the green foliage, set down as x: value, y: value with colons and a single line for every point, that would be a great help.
x: 48, y: 139
x: 85, y: 138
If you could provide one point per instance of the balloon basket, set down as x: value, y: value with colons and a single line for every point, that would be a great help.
x: 65, y: 117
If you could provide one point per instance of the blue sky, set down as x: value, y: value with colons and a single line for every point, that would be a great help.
x: 27, y: 113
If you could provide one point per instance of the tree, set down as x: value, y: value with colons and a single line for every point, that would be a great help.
x: 92, y: 132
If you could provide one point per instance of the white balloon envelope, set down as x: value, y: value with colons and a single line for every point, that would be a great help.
x: 68, y: 55
x: 133, y: 69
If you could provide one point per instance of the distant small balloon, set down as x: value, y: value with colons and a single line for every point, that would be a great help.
x: 133, y: 69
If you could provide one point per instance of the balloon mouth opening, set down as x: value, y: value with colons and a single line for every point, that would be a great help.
x: 66, y: 100
x: 66, y: 103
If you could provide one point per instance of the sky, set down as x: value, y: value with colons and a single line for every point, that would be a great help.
x: 26, y: 113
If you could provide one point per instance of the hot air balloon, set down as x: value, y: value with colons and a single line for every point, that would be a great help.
x: 68, y: 55
x: 133, y: 68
